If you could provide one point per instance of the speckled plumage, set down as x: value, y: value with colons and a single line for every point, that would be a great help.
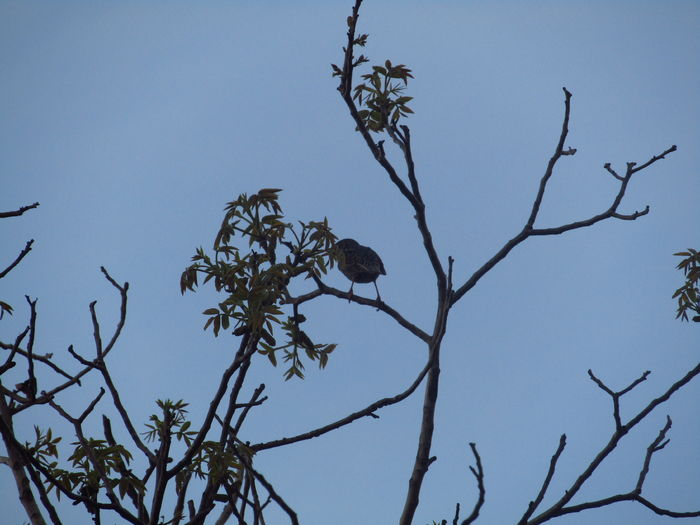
x: 358, y: 263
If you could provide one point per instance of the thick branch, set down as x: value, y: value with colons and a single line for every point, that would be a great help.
x: 425, y: 439
x: 17, y: 465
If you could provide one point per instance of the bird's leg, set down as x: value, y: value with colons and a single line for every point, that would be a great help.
x: 379, y: 297
x: 350, y: 291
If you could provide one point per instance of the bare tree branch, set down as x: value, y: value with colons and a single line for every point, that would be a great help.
x: 17, y: 213
x: 479, y: 475
x: 529, y: 229
x: 134, y: 496
x: 247, y: 347
x: 367, y: 411
x: 560, y: 507
x: 45, y: 397
x: 324, y: 289
x: 16, y: 462
x: 27, y: 248
x: 269, y: 488
x: 616, y: 395
x: 532, y: 507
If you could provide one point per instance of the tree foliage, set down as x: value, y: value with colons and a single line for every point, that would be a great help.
x: 688, y: 295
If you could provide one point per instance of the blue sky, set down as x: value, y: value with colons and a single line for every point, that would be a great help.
x: 134, y: 123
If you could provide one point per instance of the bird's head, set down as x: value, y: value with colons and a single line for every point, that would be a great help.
x: 347, y: 244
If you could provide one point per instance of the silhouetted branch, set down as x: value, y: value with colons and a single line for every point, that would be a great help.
x: 100, y: 364
x: 479, y: 475
x: 532, y: 507
x: 246, y: 349
x: 269, y: 488
x: 552, y: 162
x: 324, y: 289
x: 367, y: 411
x: 655, y: 446
x: 529, y: 229
x: 17, y: 213
x: 45, y: 359
x: 96, y: 464
x: 616, y: 395
x: 27, y: 248
x: 16, y: 461
x: 560, y: 507
x: 612, y: 171
x: 120, y: 467
x: 46, y: 396
x: 254, y: 401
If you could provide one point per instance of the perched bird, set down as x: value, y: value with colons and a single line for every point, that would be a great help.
x: 358, y: 263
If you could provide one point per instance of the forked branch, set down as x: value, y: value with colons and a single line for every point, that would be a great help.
x: 529, y: 229
x: 562, y: 507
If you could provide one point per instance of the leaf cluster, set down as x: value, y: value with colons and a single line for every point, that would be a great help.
x: 381, y: 96
x: 84, y: 478
x: 173, y: 423
x: 215, y: 463
x: 688, y: 295
x: 256, y: 257
x: 298, y: 341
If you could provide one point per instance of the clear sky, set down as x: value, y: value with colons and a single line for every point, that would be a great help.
x: 133, y: 123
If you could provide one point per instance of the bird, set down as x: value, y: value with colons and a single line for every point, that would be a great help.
x: 358, y: 263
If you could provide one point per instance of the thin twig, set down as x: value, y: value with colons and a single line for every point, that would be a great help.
x: 532, y: 507
x: 27, y: 248
x: 479, y: 475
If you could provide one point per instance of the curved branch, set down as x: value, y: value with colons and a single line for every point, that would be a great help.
x: 367, y: 411
x: 479, y: 475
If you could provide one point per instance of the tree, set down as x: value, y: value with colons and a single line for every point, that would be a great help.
x: 256, y: 283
